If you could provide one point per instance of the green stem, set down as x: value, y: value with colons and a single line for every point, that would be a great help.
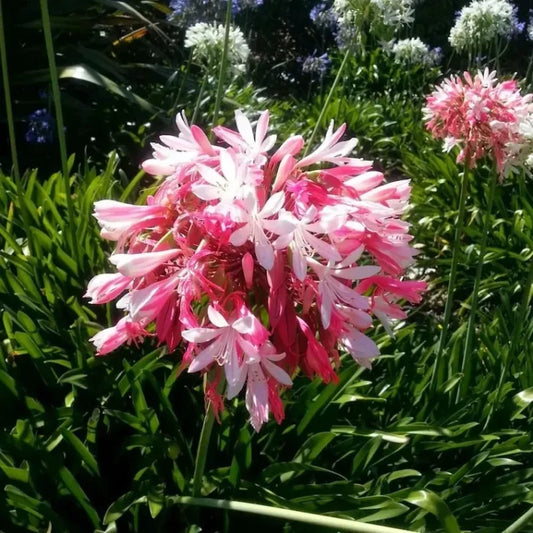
x: 7, y: 95
x: 182, y: 85
x: 328, y: 99
x: 286, y: 514
x: 523, y: 521
x: 436, y: 376
x: 223, y: 65
x: 467, y: 362
x: 199, y: 98
x: 203, y: 443
x: 515, y: 336
x: 54, y: 79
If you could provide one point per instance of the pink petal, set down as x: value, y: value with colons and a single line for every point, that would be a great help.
x: 136, y: 265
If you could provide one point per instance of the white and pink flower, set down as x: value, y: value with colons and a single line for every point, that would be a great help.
x: 258, y: 262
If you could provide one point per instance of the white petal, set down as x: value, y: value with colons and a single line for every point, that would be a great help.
x: 216, y: 318
x: 325, y: 250
x: 244, y: 127
x: 198, y: 335
x: 264, y: 254
x: 361, y: 272
x: 299, y: 264
x: 206, y: 192
x: 241, y: 235
x: 227, y: 166
x: 244, y: 325
x: 273, y: 205
x: 277, y: 373
x: 205, y: 357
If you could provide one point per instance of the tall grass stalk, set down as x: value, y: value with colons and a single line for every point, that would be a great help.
x: 521, y: 523
x: 7, y: 96
x: 54, y: 79
x: 328, y: 99
x: 467, y: 362
x: 12, y: 137
x: 199, y: 97
x: 223, y: 65
x: 437, y: 372
x: 182, y: 86
x: 330, y: 522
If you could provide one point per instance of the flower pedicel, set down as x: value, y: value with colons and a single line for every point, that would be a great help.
x: 259, y: 263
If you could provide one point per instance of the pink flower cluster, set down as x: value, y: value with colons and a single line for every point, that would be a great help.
x: 479, y: 115
x: 262, y: 263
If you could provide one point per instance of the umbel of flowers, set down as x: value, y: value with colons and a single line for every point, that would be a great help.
x: 383, y: 18
x: 206, y: 40
x: 483, y: 117
x: 482, y: 22
x: 258, y: 263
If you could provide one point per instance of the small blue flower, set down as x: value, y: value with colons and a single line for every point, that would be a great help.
x: 41, y: 126
x: 316, y: 11
x: 178, y: 7
x: 314, y: 64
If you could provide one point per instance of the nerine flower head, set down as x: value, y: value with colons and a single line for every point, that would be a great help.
x: 256, y: 262
x: 479, y: 115
x: 482, y: 22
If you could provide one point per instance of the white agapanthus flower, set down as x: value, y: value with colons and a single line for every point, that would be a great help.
x: 520, y: 155
x: 395, y: 13
x: 378, y: 16
x: 207, y: 43
x: 414, y: 52
x: 482, y: 22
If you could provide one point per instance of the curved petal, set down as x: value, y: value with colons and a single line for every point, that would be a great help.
x: 199, y: 335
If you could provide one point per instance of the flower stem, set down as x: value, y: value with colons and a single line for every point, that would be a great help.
x: 318, y: 520
x: 54, y: 79
x: 223, y: 65
x: 199, y: 98
x: 328, y: 99
x: 515, y: 336
x: 203, y: 444
x: 467, y: 362
x: 180, y: 90
x: 437, y: 373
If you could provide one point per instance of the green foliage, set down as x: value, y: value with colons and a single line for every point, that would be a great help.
x: 91, y: 443
x: 108, y: 444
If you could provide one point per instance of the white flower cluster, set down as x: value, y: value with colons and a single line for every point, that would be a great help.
x: 207, y: 43
x: 414, y: 52
x: 482, y: 22
x: 521, y: 154
x: 395, y: 13
x: 380, y: 17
